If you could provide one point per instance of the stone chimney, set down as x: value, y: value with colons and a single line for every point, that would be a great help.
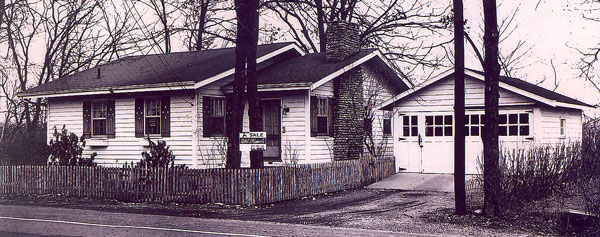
x: 343, y: 41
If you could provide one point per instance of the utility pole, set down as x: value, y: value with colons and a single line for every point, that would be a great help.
x: 459, y: 110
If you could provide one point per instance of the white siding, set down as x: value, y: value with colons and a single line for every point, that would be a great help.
x: 125, y: 147
x: 549, y: 126
x: 376, y: 92
x: 321, y: 147
x: 439, y: 97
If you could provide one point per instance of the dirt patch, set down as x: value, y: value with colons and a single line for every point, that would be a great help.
x: 406, y: 211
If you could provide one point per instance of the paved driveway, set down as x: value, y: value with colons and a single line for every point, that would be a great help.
x: 417, y: 182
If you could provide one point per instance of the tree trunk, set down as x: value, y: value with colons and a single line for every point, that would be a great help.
x: 235, y: 111
x: 491, y: 152
x: 321, y: 26
x: 254, y: 110
x: 201, y: 24
x: 459, y: 110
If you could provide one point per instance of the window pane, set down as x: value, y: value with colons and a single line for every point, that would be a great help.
x: 428, y: 120
x: 447, y: 131
x: 513, y: 130
x: 523, y: 118
x: 448, y: 120
x: 429, y: 131
x: 405, y: 120
x: 474, y: 119
x: 439, y: 120
x: 413, y: 120
x: 153, y: 125
x: 99, y: 127
x: 414, y: 131
x: 439, y: 131
x: 502, y: 130
x: 387, y: 126
x: 502, y: 119
x: 406, y: 131
x: 524, y: 130
x: 322, y: 125
x: 474, y: 131
x: 513, y: 118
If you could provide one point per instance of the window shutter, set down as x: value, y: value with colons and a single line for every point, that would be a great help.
x: 313, y: 116
x: 165, y: 116
x: 110, y: 119
x: 139, y: 117
x: 87, y: 119
x: 206, y: 131
x: 330, y: 117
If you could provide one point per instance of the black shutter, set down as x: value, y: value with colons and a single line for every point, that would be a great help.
x: 387, y: 126
x: 139, y: 117
x: 206, y: 118
x: 87, y: 119
x: 110, y: 119
x: 165, y: 116
x: 330, y: 116
x: 313, y: 116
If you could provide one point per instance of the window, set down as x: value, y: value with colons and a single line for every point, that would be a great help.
x: 99, y: 114
x: 214, y: 116
x: 516, y: 124
x: 474, y: 125
x: 99, y: 119
x: 409, y: 126
x: 387, y: 122
x: 438, y: 125
x: 152, y: 116
x: 563, y: 127
x: 321, y: 116
x: 322, y: 113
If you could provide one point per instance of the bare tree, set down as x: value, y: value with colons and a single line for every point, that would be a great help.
x: 399, y: 28
x: 589, y: 62
x: 74, y: 36
x: 491, y: 150
x: 204, y: 23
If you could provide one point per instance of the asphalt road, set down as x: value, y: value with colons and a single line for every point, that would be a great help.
x: 53, y: 221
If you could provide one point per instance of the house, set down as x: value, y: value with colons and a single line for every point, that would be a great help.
x: 424, y: 123
x: 313, y: 104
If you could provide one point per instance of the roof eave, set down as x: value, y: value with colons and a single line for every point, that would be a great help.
x: 185, y: 85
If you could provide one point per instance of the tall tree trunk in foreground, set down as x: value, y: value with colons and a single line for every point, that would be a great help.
x: 235, y: 110
x: 491, y: 152
x: 459, y: 110
x: 254, y: 109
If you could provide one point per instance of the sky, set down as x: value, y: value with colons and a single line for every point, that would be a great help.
x: 554, y: 30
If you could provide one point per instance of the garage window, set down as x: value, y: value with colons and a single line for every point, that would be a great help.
x: 516, y: 124
x: 409, y: 126
x: 474, y: 125
x: 438, y: 125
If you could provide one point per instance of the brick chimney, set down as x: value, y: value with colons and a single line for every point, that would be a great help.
x: 343, y: 41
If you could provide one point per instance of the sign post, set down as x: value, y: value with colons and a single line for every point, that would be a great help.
x: 253, y: 141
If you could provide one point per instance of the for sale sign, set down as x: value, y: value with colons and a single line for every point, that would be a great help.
x: 253, y: 141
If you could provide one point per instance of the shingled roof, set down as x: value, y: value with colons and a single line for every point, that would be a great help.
x: 311, y: 68
x: 185, y: 68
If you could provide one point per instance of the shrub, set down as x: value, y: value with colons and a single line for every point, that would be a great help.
x: 22, y: 146
x: 159, y: 155
x: 67, y: 148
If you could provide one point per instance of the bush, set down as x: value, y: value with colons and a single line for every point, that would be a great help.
x: 22, y: 146
x: 67, y: 148
x: 159, y: 155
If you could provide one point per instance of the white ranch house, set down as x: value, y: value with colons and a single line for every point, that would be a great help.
x: 424, y: 121
x: 181, y: 98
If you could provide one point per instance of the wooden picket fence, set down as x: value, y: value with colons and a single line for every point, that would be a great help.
x: 228, y: 186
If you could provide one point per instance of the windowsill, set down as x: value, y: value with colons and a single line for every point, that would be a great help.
x: 97, y: 141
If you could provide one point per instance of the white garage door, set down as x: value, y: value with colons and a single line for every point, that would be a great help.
x: 425, y: 142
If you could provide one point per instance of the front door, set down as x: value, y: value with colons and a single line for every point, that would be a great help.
x: 272, y: 125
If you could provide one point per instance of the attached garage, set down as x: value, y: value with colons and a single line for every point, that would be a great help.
x: 424, y: 121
